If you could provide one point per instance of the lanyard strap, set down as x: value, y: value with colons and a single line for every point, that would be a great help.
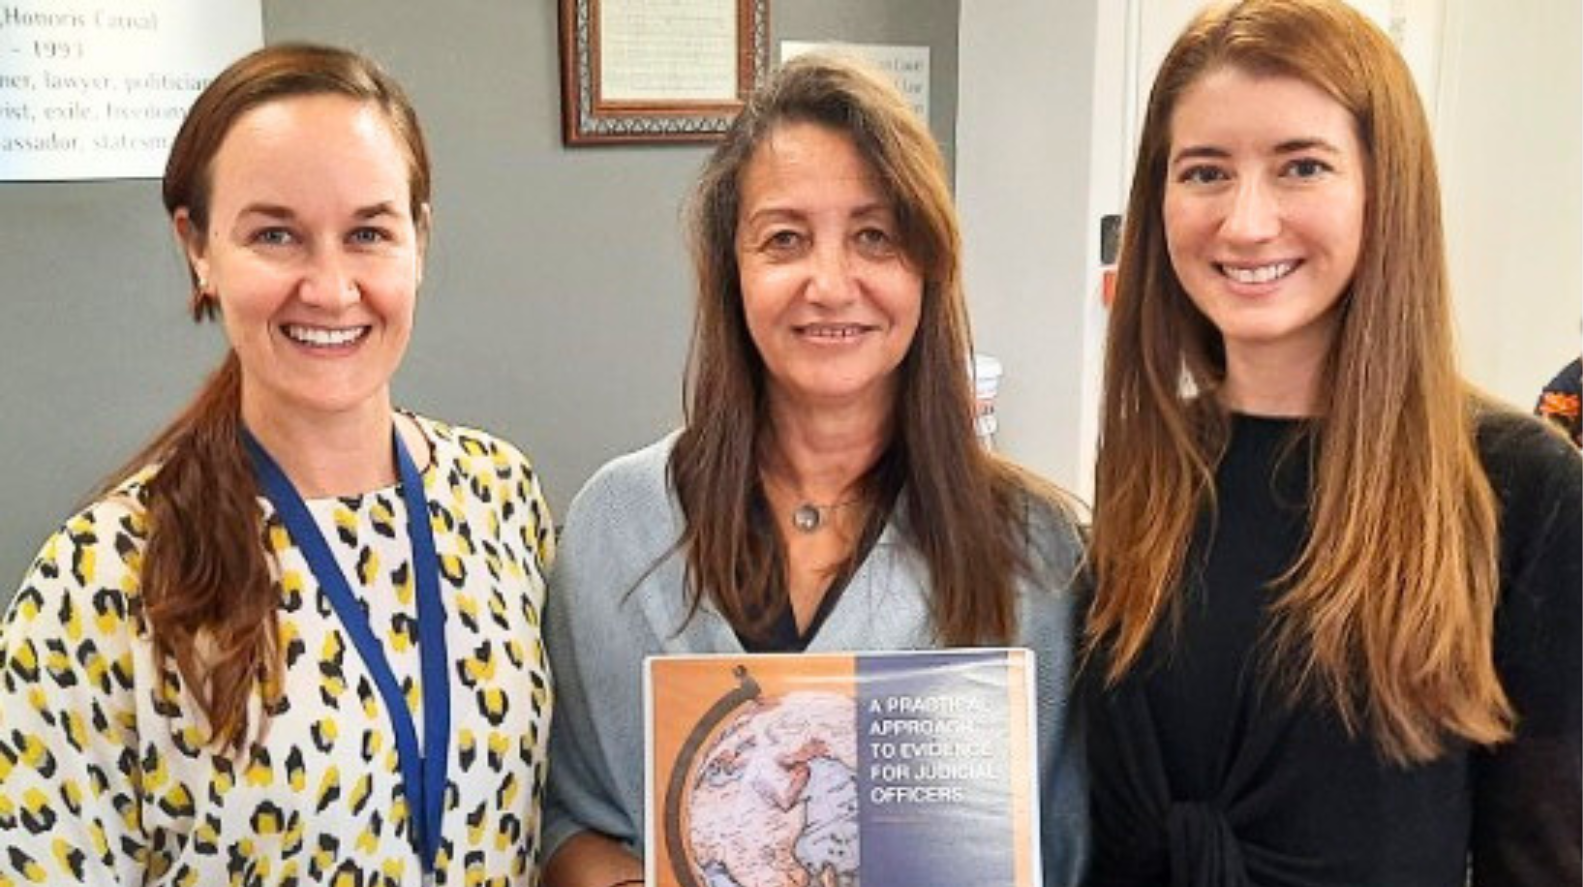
x: 422, y: 774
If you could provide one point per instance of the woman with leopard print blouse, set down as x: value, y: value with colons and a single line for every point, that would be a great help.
x: 297, y: 642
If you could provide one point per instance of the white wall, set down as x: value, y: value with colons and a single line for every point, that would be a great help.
x: 1024, y: 104
x: 1510, y: 134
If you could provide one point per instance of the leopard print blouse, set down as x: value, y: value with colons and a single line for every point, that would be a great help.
x: 105, y: 775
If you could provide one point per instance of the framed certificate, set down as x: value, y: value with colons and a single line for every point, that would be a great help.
x: 658, y: 70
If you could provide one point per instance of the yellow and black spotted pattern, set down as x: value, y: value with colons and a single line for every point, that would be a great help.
x: 105, y: 775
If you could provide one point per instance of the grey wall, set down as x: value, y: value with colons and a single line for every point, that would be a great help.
x: 557, y: 302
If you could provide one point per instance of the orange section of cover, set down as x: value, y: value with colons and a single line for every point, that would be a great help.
x: 683, y: 691
x: 1017, y: 679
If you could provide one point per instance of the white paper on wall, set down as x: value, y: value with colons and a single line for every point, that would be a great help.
x: 907, y: 66
x: 97, y: 90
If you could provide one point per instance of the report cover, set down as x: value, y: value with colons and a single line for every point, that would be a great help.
x: 894, y: 769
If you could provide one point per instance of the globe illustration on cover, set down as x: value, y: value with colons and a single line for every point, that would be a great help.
x: 768, y: 793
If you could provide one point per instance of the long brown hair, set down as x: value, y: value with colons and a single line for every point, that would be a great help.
x: 965, y: 510
x: 208, y: 597
x: 1388, y: 611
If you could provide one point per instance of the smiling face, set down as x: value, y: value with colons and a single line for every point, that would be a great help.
x: 1263, y: 214
x: 831, y: 301
x: 313, y: 255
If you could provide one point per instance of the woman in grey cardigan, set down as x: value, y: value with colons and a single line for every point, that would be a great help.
x: 827, y: 492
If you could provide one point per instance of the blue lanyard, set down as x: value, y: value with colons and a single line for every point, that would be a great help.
x: 422, y: 775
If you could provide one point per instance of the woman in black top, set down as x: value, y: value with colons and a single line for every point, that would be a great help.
x: 1335, y: 633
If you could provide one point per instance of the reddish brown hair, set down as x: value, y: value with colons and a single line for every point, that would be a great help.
x: 208, y: 596
x: 1389, y: 610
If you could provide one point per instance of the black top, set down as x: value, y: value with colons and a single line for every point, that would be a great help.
x: 783, y: 635
x: 1202, y: 773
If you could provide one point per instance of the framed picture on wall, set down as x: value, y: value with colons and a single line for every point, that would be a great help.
x: 658, y: 70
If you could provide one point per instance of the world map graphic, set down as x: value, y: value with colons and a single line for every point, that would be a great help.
x: 771, y: 800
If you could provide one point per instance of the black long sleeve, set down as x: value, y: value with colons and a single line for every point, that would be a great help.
x: 1204, y: 773
x: 1526, y: 807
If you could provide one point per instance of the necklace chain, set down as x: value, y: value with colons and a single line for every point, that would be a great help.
x: 809, y: 516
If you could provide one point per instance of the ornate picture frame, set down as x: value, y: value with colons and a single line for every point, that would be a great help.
x: 654, y: 71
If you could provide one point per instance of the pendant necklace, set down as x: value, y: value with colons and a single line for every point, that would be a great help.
x: 808, y: 517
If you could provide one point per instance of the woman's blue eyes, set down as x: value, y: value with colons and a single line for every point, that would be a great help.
x: 1301, y: 168
x: 284, y: 237
x: 273, y: 237
x: 1201, y: 175
x: 1307, y: 168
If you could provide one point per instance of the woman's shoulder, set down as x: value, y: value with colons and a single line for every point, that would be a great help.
x: 1537, y: 478
x: 635, y: 483
x: 466, y: 444
x: 91, y: 562
x: 1052, y: 521
x: 1049, y: 510
x: 1526, y: 458
x: 121, y: 510
x: 489, y: 473
x: 619, y: 525
x: 624, y: 518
